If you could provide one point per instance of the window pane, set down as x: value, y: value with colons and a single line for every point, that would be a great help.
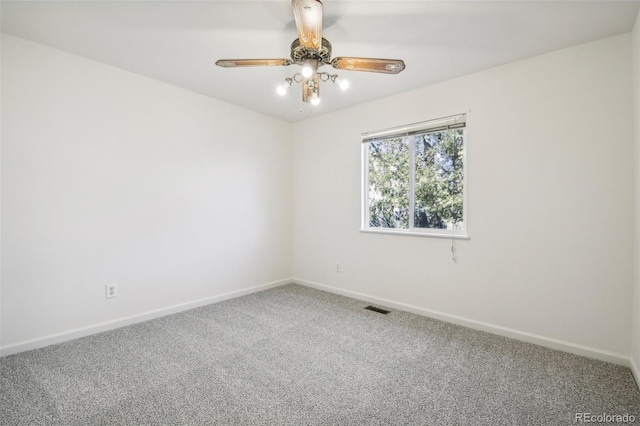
x: 438, y: 180
x: 389, y: 184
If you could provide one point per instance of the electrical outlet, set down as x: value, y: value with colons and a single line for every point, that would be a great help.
x: 111, y: 290
x: 338, y: 267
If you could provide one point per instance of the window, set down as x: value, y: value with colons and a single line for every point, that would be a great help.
x: 413, y: 178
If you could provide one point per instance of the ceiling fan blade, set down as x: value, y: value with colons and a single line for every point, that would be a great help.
x: 235, y: 63
x: 386, y: 66
x: 308, y: 16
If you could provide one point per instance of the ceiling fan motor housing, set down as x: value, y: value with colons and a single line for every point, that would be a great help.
x: 301, y: 54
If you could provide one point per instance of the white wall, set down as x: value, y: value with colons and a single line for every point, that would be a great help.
x: 550, y: 200
x: 635, y: 338
x: 110, y: 177
x: 1, y: 38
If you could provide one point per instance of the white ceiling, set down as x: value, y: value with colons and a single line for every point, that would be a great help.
x: 178, y: 42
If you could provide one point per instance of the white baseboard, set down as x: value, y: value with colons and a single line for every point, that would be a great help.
x: 548, y: 342
x: 587, y: 351
x: 51, y: 339
x: 635, y: 370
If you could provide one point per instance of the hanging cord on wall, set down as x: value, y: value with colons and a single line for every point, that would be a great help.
x: 453, y: 248
x: 453, y: 231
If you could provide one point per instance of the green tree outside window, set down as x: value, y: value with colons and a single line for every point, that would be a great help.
x: 433, y: 161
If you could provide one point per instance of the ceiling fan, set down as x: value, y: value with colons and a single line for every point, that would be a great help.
x: 311, y: 51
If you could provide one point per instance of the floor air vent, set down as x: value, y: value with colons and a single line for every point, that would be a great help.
x: 378, y: 310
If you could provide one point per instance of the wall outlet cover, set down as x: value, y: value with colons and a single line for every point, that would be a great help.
x: 111, y: 291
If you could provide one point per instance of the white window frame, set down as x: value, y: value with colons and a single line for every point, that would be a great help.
x: 403, y: 131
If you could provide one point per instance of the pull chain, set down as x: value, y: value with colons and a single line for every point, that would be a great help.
x: 453, y: 249
x: 453, y: 252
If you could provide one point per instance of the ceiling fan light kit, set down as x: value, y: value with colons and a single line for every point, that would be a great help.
x: 311, y: 51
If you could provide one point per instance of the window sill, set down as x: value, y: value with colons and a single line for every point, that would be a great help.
x: 389, y: 231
